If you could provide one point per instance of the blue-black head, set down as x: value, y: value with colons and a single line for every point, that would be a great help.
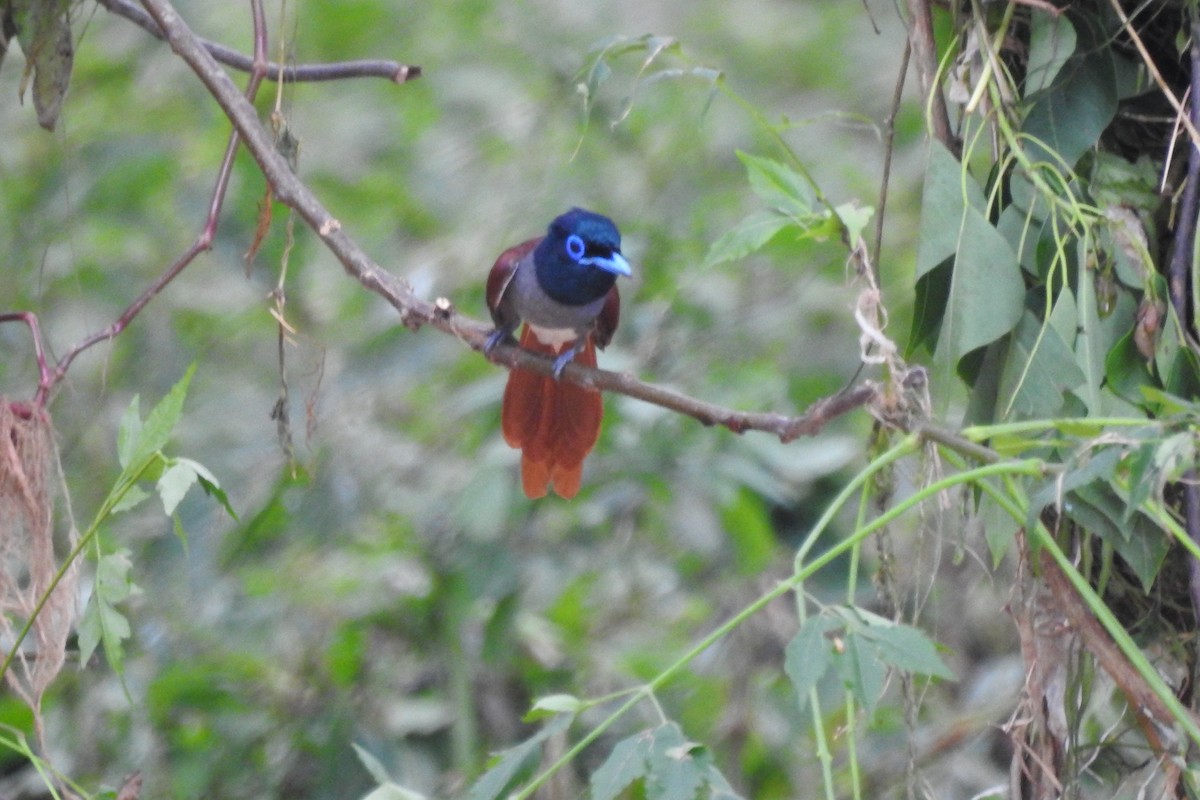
x: 580, y: 258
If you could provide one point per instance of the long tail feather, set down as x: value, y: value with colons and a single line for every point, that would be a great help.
x: 555, y: 424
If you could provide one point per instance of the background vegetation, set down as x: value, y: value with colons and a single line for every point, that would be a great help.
x: 382, y: 608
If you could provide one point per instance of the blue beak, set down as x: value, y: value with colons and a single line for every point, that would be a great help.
x: 616, y: 264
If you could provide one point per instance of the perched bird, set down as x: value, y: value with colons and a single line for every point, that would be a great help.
x: 563, y: 287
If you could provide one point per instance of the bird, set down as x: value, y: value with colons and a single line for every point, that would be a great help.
x: 563, y: 288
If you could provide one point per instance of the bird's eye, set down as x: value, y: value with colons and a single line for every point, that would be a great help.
x: 575, y: 247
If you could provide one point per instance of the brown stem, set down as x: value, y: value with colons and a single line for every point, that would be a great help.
x: 302, y: 73
x: 415, y: 312
x: 924, y: 50
x: 1150, y: 711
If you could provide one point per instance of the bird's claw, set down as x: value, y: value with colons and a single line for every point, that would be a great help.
x: 561, y: 362
x: 495, y: 338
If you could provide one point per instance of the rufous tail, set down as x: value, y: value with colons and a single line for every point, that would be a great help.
x: 554, y: 424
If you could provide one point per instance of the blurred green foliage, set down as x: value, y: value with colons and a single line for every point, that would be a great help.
x: 391, y: 587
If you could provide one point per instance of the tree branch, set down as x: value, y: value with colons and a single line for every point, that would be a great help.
x: 303, y: 73
x: 416, y: 312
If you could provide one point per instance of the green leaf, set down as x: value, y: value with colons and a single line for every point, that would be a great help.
x: 748, y: 237
x: 129, y: 433
x: 906, y: 648
x: 174, y: 484
x: 809, y: 655
x: 855, y: 219
x: 778, y: 185
x: 209, y: 483
x: 373, y: 765
x: 1125, y: 368
x: 554, y: 704
x: 625, y: 764
x: 132, y: 498
x: 1038, y: 370
x: 1100, y: 511
x: 511, y: 762
x: 986, y: 292
x: 1066, y: 120
x: 156, y: 431
x: 102, y: 623
x: 861, y: 670
x: 748, y: 523
x: 676, y: 768
x: 1051, y: 43
x: 947, y: 193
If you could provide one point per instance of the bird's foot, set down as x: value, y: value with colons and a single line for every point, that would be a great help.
x: 561, y: 362
x: 495, y: 338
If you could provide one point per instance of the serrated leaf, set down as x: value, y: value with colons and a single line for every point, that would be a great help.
x: 860, y: 670
x: 129, y: 433
x: 808, y: 656
x: 675, y: 767
x: 102, y: 623
x: 133, y: 497
x: 906, y: 648
x: 174, y: 484
x: 156, y: 430
x: 779, y: 186
x: 624, y: 765
x: 510, y: 763
x: 750, y: 235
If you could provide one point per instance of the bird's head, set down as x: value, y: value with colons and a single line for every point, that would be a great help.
x: 580, y: 258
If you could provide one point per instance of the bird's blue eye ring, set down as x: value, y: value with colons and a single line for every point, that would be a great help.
x: 575, y: 247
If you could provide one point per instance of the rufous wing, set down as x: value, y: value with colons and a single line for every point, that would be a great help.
x: 555, y: 424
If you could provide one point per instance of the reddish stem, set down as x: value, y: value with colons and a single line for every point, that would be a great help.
x: 203, y: 242
x: 39, y: 351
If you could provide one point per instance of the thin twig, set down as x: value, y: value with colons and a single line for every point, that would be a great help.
x: 45, y: 376
x: 415, y: 312
x: 203, y: 241
x: 302, y: 73
x: 889, y: 149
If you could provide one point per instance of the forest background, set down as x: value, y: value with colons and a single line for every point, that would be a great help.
x: 367, y: 604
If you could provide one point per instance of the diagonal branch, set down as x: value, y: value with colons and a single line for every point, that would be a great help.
x: 416, y: 312
x: 366, y: 68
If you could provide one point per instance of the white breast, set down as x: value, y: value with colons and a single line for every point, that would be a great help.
x: 558, y: 338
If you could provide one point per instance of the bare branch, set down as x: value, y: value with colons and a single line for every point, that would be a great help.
x: 415, y: 312
x: 302, y: 73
